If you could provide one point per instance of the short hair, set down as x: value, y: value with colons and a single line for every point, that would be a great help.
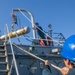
x: 36, y: 23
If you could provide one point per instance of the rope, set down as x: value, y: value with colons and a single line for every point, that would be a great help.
x: 24, y: 15
x: 28, y: 52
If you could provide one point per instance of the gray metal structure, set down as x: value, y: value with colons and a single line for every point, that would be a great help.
x: 25, y: 63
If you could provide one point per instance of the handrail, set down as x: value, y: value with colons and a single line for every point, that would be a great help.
x: 48, y: 36
x: 14, y: 60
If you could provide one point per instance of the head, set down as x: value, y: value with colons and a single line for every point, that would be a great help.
x: 68, y: 51
x: 37, y: 24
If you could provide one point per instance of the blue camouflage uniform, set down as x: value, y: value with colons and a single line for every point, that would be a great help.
x: 71, y: 71
x: 41, y: 34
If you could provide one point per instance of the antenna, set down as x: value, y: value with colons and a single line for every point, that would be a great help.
x: 50, y: 30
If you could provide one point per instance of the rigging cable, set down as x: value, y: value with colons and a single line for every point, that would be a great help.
x: 24, y: 15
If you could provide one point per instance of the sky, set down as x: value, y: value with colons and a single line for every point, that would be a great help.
x: 59, y: 13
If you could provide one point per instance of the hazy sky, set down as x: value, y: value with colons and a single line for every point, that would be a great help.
x: 59, y: 13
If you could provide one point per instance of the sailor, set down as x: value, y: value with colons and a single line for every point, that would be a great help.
x: 40, y: 33
x: 68, y: 54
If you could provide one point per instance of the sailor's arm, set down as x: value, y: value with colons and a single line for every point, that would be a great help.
x: 63, y: 70
x: 47, y: 64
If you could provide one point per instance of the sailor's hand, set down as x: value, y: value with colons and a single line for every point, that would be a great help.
x: 47, y: 62
x: 64, y: 70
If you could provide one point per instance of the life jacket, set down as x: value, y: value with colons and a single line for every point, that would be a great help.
x: 41, y: 43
